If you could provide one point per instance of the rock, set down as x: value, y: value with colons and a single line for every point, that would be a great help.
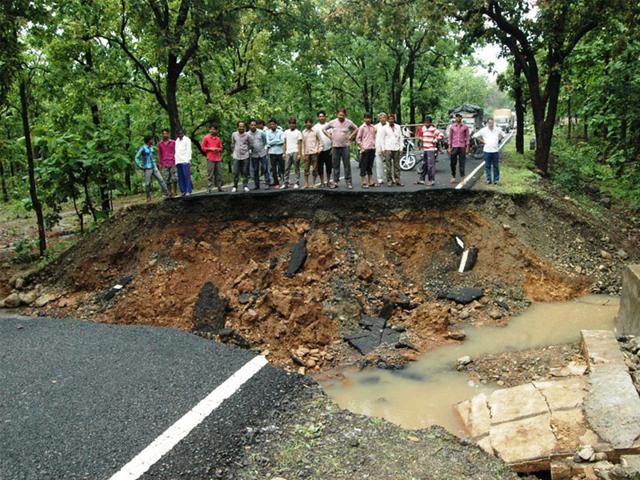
x: 506, y: 227
x: 604, y: 254
x: 463, y: 296
x: 495, y: 314
x: 244, y: 298
x: 463, y: 361
x: 622, y: 254
x: 404, y: 344
x: 28, y: 298
x: 19, y: 283
x: 585, y: 453
x: 387, y: 308
x: 42, y: 300
x: 464, y: 315
x: 296, y: 359
x: 210, y: 310
x: 12, y: 301
x: 298, y: 257
x: 457, y: 335
x: 606, y: 202
x: 364, y: 271
x: 232, y: 337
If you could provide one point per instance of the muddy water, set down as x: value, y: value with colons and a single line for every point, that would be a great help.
x: 424, y: 393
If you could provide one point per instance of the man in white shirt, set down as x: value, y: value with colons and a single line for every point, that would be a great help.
x: 324, y: 157
x: 183, y: 163
x: 292, y: 153
x: 491, y: 136
x: 392, y: 141
x: 379, y: 161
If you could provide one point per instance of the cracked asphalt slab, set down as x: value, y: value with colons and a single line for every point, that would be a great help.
x: 78, y: 400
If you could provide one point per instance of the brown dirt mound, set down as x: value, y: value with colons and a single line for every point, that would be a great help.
x: 391, y: 247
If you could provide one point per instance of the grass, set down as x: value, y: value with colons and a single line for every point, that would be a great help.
x: 516, y: 170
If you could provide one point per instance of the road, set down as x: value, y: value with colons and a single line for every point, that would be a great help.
x: 443, y: 175
x: 81, y: 400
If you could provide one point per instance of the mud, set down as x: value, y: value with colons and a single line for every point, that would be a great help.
x: 361, y: 248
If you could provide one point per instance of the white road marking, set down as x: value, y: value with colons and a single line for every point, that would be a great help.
x: 179, y: 430
x: 463, y: 261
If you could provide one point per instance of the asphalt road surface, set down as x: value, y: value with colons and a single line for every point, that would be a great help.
x: 408, y: 178
x: 81, y: 400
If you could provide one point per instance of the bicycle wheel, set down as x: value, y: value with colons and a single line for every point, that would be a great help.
x: 407, y: 162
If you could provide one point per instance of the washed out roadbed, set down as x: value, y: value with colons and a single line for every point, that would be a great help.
x: 318, y: 441
x: 367, y: 255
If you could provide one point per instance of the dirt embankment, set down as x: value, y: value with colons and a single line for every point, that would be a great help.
x: 361, y: 249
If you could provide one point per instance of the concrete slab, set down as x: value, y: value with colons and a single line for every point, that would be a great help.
x: 612, y: 407
x: 600, y: 349
x: 571, y: 431
x: 511, y: 404
x: 526, y: 443
x: 563, y: 394
x: 628, y: 320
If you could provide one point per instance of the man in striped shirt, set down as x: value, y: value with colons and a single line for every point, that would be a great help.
x: 429, y: 135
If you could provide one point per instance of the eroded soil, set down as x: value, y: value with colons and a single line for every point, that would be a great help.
x: 361, y: 249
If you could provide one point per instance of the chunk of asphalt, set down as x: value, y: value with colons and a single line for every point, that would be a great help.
x: 373, y: 323
x: 364, y: 342
x: 390, y: 337
x: 458, y: 244
x: 298, y: 257
x: 117, y: 288
x: 468, y: 260
x: 462, y: 295
x: 210, y: 310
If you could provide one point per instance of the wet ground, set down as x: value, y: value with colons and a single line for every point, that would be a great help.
x: 424, y: 393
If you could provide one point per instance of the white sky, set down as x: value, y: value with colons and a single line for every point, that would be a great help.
x: 489, y: 61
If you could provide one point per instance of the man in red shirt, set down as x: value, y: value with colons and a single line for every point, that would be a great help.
x: 167, y: 161
x: 212, y: 147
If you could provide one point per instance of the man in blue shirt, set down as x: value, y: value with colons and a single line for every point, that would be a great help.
x: 144, y: 160
x: 275, y: 140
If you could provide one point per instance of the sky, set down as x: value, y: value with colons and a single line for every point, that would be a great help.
x: 487, y: 55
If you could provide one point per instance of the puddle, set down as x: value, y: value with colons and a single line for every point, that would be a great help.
x: 424, y: 393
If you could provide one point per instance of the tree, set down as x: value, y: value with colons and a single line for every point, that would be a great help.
x: 541, y: 36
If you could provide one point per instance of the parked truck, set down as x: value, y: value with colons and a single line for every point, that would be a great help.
x: 504, y: 118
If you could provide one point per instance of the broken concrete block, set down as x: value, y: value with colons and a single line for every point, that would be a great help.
x: 612, y: 407
x: 298, y: 257
x: 601, y: 349
x: 210, y: 310
x: 526, y: 443
x: 563, y: 394
x: 517, y: 402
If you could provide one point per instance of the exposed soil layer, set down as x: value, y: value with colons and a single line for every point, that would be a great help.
x: 361, y: 249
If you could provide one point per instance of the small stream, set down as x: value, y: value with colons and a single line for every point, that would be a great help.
x: 425, y: 392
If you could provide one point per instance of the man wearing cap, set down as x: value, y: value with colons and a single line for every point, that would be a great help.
x: 459, y: 143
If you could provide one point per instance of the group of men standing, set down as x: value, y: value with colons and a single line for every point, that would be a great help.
x: 322, y: 149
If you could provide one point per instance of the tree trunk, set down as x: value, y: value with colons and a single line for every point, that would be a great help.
x: 172, y: 103
x: 35, y: 201
x: 366, y: 101
x: 518, y: 97
x: 569, y: 117
x: 412, y: 100
x: 544, y: 125
x: 5, y: 193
